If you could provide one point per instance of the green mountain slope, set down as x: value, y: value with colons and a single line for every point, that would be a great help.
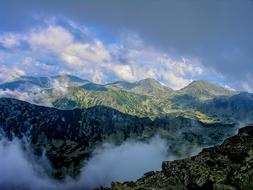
x: 145, y: 87
x: 145, y: 98
x: 204, y: 90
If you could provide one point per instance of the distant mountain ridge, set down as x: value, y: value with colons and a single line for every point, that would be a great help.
x: 144, y: 98
x: 146, y: 86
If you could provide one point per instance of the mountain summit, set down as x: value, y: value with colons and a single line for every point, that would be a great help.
x: 204, y: 90
x: 148, y: 86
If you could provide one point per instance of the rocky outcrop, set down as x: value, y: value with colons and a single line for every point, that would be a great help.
x: 225, y: 167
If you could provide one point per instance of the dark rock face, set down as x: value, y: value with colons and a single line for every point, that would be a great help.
x: 225, y: 167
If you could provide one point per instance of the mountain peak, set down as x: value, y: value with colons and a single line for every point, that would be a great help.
x: 150, y: 86
x: 148, y: 81
x: 70, y: 78
x: 203, y: 89
x: 201, y: 82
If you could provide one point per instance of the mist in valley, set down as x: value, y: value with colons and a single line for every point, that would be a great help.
x: 108, y: 163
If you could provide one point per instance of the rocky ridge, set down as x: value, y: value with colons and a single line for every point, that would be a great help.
x: 228, y: 166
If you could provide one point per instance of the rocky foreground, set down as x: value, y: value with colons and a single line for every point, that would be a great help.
x: 225, y: 167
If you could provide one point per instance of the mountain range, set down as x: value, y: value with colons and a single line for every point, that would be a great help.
x: 200, y: 100
x: 66, y: 118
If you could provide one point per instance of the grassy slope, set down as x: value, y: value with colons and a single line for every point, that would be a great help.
x: 132, y: 103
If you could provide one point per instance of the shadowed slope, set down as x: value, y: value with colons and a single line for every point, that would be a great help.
x: 228, y: 166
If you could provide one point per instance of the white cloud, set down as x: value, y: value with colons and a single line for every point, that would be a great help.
x: 122, y: 71
x: 17, y: 171
x: 10, y: 73
x: 20, y: 169
x: 174, y: 81
x: 106, y: 165
x: 129, y: 59
x: 182, y: 67
x: 228, y: 87
x: 59, y: 86
x: 33, y: 95
x: 85, y: 53
x: 98, y: 76
x: 53, y: 38
x: 142, y: 61
x: 9, y: 40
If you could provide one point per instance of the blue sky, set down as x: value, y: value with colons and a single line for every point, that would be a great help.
x: 174, y: 42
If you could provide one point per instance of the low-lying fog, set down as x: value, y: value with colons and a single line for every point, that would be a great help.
x: 128, y: 161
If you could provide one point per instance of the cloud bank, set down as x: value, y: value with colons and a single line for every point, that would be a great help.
x: 16, y: 170
x: 109, y: 163
x: 217, y: 33
x: 68, y: 48
x: 126, y: 162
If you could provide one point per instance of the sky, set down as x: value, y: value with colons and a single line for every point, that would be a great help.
x: 172, y: 41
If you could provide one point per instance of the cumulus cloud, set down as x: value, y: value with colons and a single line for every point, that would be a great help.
x: 222, y: 40
x: 86, y: 53
x: 175, y: 82
x: 53, y: 38
x: 142, y: 61
x: 123, y: 72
